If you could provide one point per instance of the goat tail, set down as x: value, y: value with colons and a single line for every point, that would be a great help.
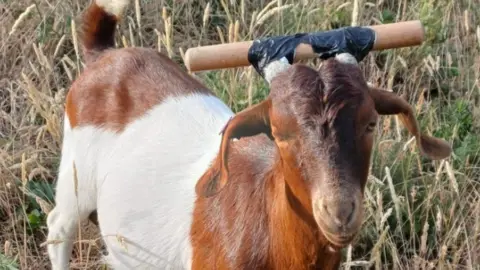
x: 98, y: 28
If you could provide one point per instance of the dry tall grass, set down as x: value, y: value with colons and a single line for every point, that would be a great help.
x: 420, y: 214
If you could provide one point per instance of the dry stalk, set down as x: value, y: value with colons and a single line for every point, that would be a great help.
x: 59, y: 46
x: 227, y: 11
x: 138, y: 16
x: 131, y: 35
x: 423, y: 239
x: 478, y: 36
x: 266, y: 8
x: 220, y: 34
x: 375, y: 253
x: 395, y: 199
x: 75, y: 43
x: 250, y: 85
x: 159, y: 40
x: 261, y: 19
x: 356, y: 12
x: 21, y: 19
x: 254, y: 19
x: 451, y: 176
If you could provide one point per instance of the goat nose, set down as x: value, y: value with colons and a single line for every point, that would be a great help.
x: 339, y: 212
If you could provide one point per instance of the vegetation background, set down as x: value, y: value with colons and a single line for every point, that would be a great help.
x: 420, y: 214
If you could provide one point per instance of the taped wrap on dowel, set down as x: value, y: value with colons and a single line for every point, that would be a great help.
x: 357, y: 41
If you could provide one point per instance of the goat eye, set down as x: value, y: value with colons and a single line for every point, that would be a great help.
x: 371, y: 126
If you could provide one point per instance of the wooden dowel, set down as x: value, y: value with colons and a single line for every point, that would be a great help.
x: 231, y: 55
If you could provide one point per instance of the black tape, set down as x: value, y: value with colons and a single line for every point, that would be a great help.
x: 357, y: 41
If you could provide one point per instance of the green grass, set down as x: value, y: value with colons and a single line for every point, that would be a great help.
x: 420, y: 214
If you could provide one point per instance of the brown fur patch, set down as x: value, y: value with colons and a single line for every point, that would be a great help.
x: 271, y: 211
x: 123, y: 84
x: 256, y: 222
x: 98, y: 29
x: 263, y: 217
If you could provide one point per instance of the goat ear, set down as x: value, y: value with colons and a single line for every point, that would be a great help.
x: 388, y: 103
x: 249, y: 122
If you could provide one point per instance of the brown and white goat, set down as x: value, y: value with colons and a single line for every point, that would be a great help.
x: 142, y: 138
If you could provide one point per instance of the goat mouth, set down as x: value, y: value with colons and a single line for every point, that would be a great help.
x: 338, y: 241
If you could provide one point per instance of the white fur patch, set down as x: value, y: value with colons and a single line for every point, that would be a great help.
x: 114, y: 7
x: 346, y: 58
x: 81, y: 150
x: 274, y: 68
x: 141, y: 181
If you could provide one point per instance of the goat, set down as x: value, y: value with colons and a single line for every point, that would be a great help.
x: 154, y: 153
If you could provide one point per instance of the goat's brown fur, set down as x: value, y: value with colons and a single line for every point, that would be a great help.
x: 259, y: 212
x: 98, y: 28
x: 256, y: 222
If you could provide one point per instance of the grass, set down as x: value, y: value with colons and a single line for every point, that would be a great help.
x: 420, y: 214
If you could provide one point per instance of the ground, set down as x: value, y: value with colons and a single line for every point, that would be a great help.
x: 420, y: 214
